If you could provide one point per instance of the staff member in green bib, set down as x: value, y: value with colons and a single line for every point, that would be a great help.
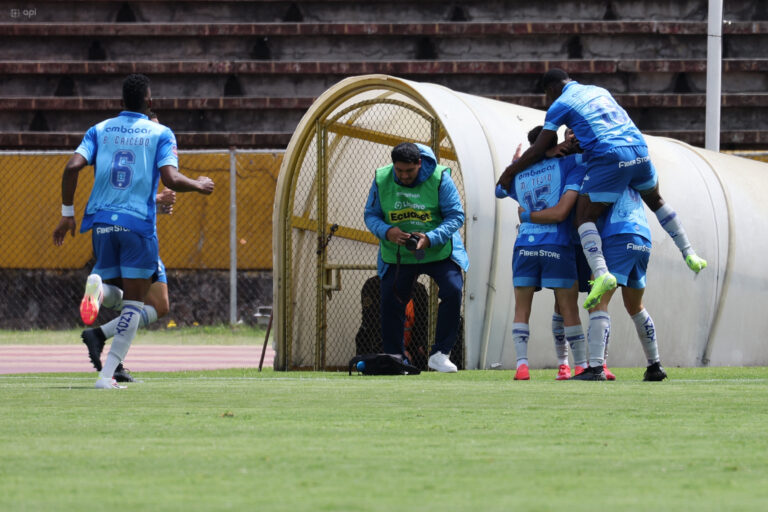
x: 415, y: 211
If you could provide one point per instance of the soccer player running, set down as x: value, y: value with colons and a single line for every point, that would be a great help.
x: 130, y: 155
x: 156, y: 303
x: 543, y: 254
x: 617, y: 156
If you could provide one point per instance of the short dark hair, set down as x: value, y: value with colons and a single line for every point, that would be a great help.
x: 135, y: 88
x: 553, y: 76
x: 534, y: 134
x: 406, y: 152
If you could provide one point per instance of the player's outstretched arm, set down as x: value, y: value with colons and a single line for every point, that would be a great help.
x: 67, y: 222
x: 531, y: 155
x: 555, y: 214
x: 174, y: 180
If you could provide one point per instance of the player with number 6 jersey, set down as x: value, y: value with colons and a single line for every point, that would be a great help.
x: 131, y: 150
x: 130, y: 154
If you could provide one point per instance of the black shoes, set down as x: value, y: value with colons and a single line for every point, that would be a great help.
x: 654, y: 373
x: 591, y: 373
x: 122, y: 374
x: 94, y: 339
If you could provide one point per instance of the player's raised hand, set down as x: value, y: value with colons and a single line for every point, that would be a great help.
x: 518, y: 152
x: 66, y: 224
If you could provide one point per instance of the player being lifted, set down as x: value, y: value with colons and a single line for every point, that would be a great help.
x: 617, y: 156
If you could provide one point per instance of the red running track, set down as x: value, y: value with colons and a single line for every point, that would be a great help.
x: 141, y: 358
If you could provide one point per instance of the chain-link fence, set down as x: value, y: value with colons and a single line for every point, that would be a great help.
x: 217, y: 249
x: 334, y: 288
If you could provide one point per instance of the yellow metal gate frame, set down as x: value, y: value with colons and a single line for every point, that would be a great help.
x: 328, y: 274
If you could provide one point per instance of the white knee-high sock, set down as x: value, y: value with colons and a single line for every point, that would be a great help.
x: 113, y: 297
x: 592, y: 245
x: 646, y: 332
x: 558, y: 333
x: 574, y: 334
x: 520, y: 334
x: 674, y: 227
x: 148, y: 316
x: 127, y: 326
x: 599, y: 329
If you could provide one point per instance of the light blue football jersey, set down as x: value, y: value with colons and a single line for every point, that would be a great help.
x: 597, y: 121
x: 126, y: 152
x: 539, y: 187
x: 625, y: 216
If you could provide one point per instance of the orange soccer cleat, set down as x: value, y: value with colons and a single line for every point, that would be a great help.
x: 94, y: 294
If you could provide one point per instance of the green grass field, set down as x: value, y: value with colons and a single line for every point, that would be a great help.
x: 476, y: 440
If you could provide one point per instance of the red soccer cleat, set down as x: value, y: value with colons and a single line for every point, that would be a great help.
x: 608, y: 374
x: 94, y: 293
x: 522, y: 373
x: 578, y: 370
x: 563, y: 372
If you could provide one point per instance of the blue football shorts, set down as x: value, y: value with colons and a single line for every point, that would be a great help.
x: 159, y: 276
x: 123, y: 253
x: 545, y: 266
x: 610, y: 173
x: 627, y: 257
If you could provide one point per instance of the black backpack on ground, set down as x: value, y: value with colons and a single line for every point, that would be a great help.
x: 381, y: 364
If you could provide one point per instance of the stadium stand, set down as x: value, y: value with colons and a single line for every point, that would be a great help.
x: 236, y: 73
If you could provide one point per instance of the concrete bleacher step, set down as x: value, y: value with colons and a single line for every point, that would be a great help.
x: 58, y: 121
x: 737, y: 139
x: 378, y: 10
x: 377, y: 41
x: 347, y: 28
x: 393, y: 67
x: 102, y: 104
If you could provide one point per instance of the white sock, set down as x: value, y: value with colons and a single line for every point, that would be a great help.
x: 599, y: 329
x: 592, y: 245
x: 646, y: 331
x: 558, y: 333
x: 148, y: 315
x: 113, y: 297
x: 110, y: 327
x: 127, y: 326
x: 668, y: 219
x: 574, y: 334
x: 520, y: 333
x: 605, y: 350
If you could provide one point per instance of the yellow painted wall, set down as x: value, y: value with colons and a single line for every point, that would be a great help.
x: 196, y: 236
